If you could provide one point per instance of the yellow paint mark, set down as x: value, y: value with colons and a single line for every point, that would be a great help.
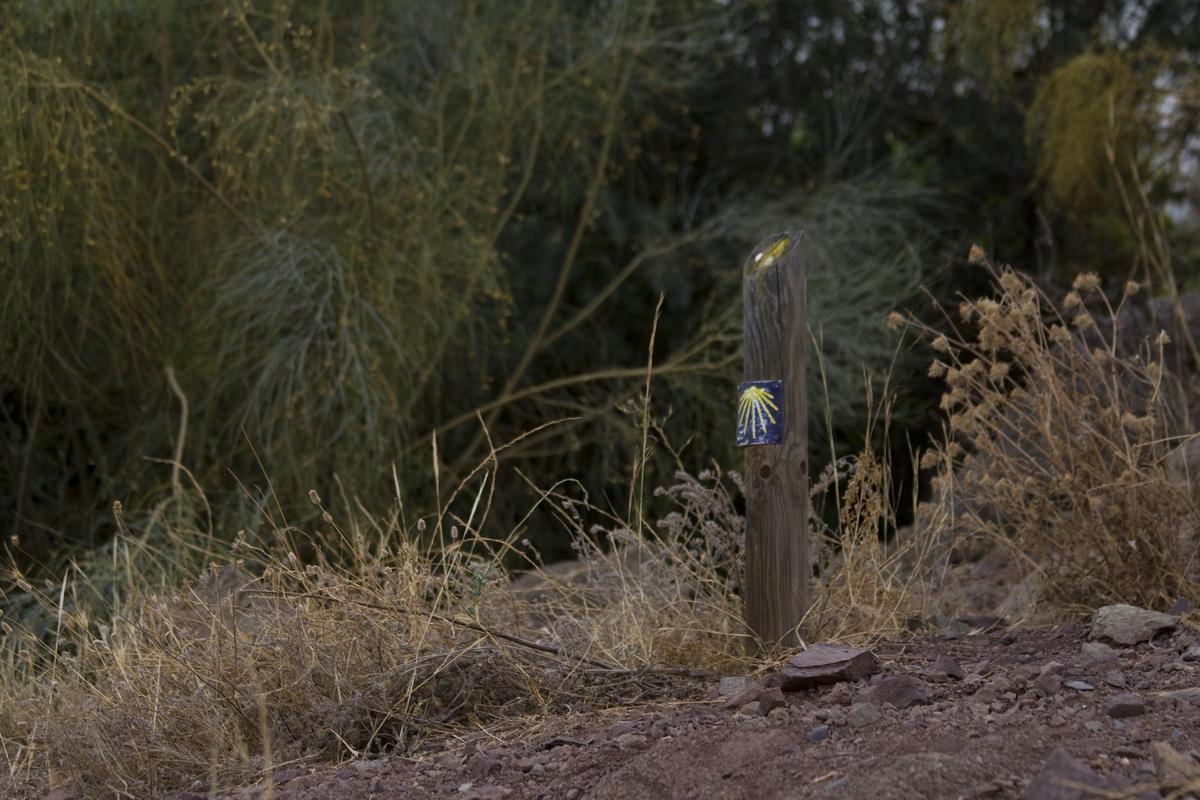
x: 768, y: 255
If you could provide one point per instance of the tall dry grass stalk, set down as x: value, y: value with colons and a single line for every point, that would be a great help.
x: 874, y: 574
x: 1059, y: 448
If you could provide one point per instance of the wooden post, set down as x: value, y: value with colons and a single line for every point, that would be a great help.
x: 773, y: 426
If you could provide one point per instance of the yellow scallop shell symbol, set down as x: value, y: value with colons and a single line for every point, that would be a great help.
x: 756, y: 409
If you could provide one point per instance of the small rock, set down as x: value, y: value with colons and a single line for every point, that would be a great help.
x: 1125, y: 705
x: 632, y: 741
x: 750, y: 710
x: 1095, y: 654
x: 484, y: 792
x: 1127, y: 625
x: 826, y: 663
x: 1060, y: 779
x: 861, y: 715
x: 483, y: 765
x: 779, y: 714
x: 747, y: 694
x: 572, y: 794
x: 945, y: 667
x: 840, y: 695
x: 1174, y: 769
x: 1115, y: 678
x: 986, y: 694
x: 818, y: 734
x: 1048, y: 684
x: 624, y: 726
x: 900, y: 691
x: 770, y: 699
x: 1052, y: 668
x: 1079, y: 686
x: 1192, y: 653
x: 956, y: 629
x: 1182, y: 606
x: 728, y: 686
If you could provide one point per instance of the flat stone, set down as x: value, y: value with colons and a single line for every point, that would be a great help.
x: 1063, y: 777
x: 1125, y: 705
x: 1127, y: 625
x: 900, y: 691
x: 747, y: 694
x: 1079, y: 686
x: 1192, y: 653
x: 818, y: 734
x: 825, y: 663
x: 729, y: 685
x: 1116, y: 679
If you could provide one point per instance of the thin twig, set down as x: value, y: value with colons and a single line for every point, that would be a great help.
x: 181, y: 438
x: 461, y: 623
x: 366, y: 176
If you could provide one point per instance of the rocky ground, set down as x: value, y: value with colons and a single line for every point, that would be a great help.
x: 1110, y: 709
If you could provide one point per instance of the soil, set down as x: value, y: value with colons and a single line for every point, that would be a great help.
x: 987, y: 734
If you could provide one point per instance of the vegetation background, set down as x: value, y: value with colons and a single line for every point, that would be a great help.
x: 253, y: 249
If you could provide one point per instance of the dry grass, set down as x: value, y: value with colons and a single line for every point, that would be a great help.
x: 1060, y: 449
x: 875, y: 575
x: 399, y: 634
x: 268, y: 660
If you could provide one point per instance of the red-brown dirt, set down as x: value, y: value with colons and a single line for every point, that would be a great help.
x: 986, y: 735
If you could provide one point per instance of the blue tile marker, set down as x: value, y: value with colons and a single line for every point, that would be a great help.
x: 760, y: 413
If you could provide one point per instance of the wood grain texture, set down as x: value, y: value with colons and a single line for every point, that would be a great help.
x: 777, y: 557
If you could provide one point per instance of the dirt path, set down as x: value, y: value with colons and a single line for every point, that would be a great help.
x: 1129, y: 717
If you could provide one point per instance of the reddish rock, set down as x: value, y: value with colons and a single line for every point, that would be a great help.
x: 1048, y: 684
x: 750, y: 710
x: 770, y: 699
x: 747, y: 694
x: 1096, y: 655
x: 1125, y: 705
x: 824, y: 664
x: 861, y: 715
x: 632, y: 741
x: 1126, y: 625
x: 1052, y: 668
x: 1063, y: 778
x: 900, y: 691
x: 945, y: 667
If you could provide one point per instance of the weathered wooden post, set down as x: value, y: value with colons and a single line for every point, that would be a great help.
x: 773, y: 427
